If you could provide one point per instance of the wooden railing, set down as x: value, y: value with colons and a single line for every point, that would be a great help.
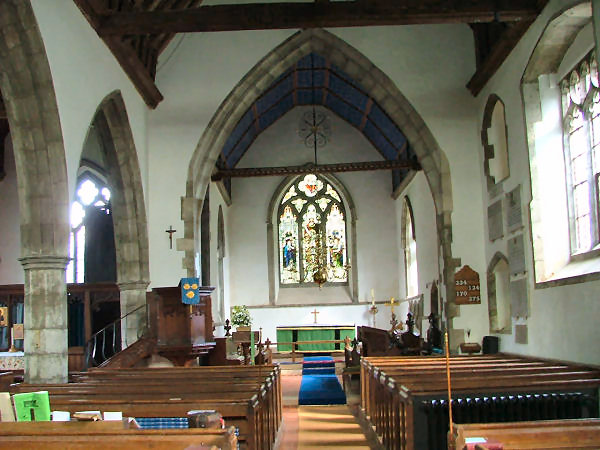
x: 295, y: 350
x: 88, y: 294
x: 107, y: 342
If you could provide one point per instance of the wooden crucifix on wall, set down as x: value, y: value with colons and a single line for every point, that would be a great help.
x: 170, y: 231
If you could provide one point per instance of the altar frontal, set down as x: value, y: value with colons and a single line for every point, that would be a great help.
x: 286, y: 335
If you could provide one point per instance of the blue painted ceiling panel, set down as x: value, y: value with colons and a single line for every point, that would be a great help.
x: 341, y: 108
x: 273, y: 114
x: 348, y: 92
x: 379, y: 141
x: 345, y: 97
x: 389, y: 128
x: 273, y: 96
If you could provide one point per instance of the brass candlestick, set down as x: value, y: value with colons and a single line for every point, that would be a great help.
x: 373, y: 310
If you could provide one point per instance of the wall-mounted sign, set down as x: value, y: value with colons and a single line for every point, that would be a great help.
x: 466, y: 282
x: 3, y: 316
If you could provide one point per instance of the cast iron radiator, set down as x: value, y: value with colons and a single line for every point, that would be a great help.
x: 504, y: 408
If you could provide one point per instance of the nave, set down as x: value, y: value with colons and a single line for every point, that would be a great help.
x: 319, y: 426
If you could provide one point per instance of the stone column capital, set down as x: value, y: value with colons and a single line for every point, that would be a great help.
x: 133, y: 285
x: 44, y: 262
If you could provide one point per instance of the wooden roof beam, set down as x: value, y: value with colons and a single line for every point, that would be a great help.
x: 246, y: 172
x: 126, y: 56
x: 498, y: 54
x: 320, y: 14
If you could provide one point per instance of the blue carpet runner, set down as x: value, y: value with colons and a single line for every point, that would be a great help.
x: 320, y: 385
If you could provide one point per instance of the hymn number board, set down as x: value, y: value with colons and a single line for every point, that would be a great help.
x: 466, y: 281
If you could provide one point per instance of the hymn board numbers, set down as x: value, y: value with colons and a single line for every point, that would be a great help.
x: 466, y: 282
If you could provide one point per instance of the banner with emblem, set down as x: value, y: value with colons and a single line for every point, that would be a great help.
x: 190, y: 294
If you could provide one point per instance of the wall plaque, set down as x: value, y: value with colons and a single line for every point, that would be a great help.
x: 514, y: 216
x: 466, y: 282
x: 495, y: 221
x: 519, y: 304
x: 521, y: 334
x: 516, y: 255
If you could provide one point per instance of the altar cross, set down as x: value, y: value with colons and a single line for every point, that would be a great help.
x: 315, y: 312
x: 170, y: 231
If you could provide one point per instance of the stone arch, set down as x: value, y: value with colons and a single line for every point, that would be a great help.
x: 28, y: 91
x: 127, y: 199
x: 220, y: 268
x: 377, y: 85
x: 351, y: 218
x: 493, y: 304
x: 489, y: 149
x: 553, y: 44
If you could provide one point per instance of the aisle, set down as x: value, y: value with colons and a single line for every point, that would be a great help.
x: 322, y: 426
x: 314, y: 427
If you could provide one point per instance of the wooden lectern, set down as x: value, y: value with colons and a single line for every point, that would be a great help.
x: 183, y: 332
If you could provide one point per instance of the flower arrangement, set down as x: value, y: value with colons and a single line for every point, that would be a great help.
x: 240, y: 316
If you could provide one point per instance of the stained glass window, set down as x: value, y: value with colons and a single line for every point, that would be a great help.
x: 581, y: 113
x: 312, y: 232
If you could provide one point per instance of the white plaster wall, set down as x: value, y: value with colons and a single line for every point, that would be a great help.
x: 562, y: 320
x: 420, y: 197
x: 84, y: 72
x: 195, y: 74
x: 11, y: 271
x: 270, y: 318
x: 377, y: 260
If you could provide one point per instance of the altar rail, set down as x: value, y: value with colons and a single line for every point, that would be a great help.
x: 295, y: 350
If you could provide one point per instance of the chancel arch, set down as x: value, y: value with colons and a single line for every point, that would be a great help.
x: 377, y: 86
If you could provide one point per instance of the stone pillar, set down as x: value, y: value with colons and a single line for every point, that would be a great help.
x: 133, y: 297
x: 45, y: 318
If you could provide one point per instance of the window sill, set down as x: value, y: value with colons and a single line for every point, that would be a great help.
x: 582, y: 268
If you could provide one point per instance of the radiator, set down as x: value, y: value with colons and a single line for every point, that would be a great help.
x: 504, y: 408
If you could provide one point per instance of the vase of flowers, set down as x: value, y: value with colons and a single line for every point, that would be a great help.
x: 240, y: 318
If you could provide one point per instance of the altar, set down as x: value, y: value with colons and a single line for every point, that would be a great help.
x: 313, y: 333
x: 12, y: 360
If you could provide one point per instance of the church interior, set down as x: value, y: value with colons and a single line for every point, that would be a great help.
x: 366, y: 179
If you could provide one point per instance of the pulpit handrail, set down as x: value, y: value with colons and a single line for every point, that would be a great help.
x: 108, y: 341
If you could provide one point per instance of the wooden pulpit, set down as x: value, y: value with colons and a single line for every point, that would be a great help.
x: 183, y: 332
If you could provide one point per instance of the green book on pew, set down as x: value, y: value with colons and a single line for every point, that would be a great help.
x: 32, y: 406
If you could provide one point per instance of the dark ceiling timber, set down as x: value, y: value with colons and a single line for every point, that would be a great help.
x: 312, y: 168
x: 263, y: 16
x: 137, y: 31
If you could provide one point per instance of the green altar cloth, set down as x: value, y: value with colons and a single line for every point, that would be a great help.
x: 313, y: 333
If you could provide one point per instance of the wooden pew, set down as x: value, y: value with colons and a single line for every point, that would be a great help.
x: 546, y: 434
x: 110, y: 435
x: 248, y: 397
x: 402, y: 394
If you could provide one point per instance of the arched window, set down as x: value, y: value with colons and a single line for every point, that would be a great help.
x: 312, y: 233
x: 410, y: 251
x: 581, y: 131
x: 92, y: 199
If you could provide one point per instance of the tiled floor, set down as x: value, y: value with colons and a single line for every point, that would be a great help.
x: 314, y: 427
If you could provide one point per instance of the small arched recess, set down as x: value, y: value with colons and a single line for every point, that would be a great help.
x: 499, y: 300
x: 273, y: 235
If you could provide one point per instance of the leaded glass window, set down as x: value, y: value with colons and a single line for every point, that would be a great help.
x: 581, y: 128
x: 90, y: 193
x: 312, y: 232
